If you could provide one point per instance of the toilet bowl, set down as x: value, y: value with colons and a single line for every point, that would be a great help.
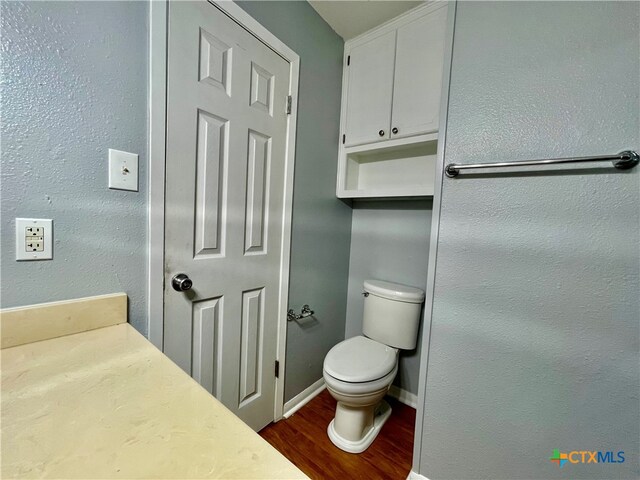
x: 358, y: 372
x: 359, y: 391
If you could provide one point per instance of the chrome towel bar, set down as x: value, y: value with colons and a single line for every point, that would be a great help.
x: 622, y: 161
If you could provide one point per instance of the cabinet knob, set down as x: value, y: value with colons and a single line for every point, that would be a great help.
x: 394, y: 130
x: 381, y: 133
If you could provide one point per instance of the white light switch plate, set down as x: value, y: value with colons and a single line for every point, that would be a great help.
x: 123, y: 170
x: 34, y: 239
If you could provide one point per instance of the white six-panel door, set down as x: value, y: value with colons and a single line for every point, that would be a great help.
x: 225, y: 182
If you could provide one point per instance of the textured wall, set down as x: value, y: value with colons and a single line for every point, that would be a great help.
x: 321, y: 222
x: 74, y: 83
x: 389, y: 241
x: 535, y: 329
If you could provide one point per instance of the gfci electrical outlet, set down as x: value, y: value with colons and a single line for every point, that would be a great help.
x: 34, y: 239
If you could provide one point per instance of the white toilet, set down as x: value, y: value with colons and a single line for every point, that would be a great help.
x: 358, y: 371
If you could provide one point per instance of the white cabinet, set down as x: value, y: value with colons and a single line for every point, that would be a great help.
x: 418, y: 75
x: 390, y: 106
x: 370, y: 84
x: 393, y: 78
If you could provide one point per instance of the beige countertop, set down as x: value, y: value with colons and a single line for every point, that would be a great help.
x: 107, y: 404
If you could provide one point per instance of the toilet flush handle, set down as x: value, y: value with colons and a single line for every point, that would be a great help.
x: 365, y: 294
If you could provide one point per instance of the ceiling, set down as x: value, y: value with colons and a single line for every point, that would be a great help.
x: 351, y: 18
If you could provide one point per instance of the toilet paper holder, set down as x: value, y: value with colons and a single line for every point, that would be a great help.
x: 293, y: 316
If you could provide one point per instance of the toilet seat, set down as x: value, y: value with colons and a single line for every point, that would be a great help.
x: 360, y: 360
x: 360, y: 388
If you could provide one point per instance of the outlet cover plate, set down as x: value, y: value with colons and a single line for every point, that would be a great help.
x: 37, y: 232
x: 123, y: 170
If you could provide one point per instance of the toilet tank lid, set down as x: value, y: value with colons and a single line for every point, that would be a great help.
x: 394, y: 291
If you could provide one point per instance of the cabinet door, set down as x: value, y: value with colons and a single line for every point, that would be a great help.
x: 418, y: 75
x: 370, y: 77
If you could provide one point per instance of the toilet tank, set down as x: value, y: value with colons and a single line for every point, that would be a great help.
x: 392, y: 313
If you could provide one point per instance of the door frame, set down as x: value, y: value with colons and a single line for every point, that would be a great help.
x: 157, y: 125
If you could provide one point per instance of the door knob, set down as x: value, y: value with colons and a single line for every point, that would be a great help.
x: 181, y: 282
x: 381, y: 133
x: 394, y: 130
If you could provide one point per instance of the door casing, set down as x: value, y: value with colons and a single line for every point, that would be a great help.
x: 158, y: 15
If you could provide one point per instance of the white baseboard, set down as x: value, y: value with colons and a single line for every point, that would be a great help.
x: 403, y: 396
x: 304, y: 397
x: 300, y: 400
x: 416, y: 476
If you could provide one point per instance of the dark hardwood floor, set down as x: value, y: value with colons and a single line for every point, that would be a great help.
x: 302, y: 438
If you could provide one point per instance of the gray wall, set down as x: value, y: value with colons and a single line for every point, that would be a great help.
x: 534, y: 337
x: 321, y: 222
x: 389, y: 241
x: 74, y: 83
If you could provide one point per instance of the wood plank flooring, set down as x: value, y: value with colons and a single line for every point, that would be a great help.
x: 302, y: 438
